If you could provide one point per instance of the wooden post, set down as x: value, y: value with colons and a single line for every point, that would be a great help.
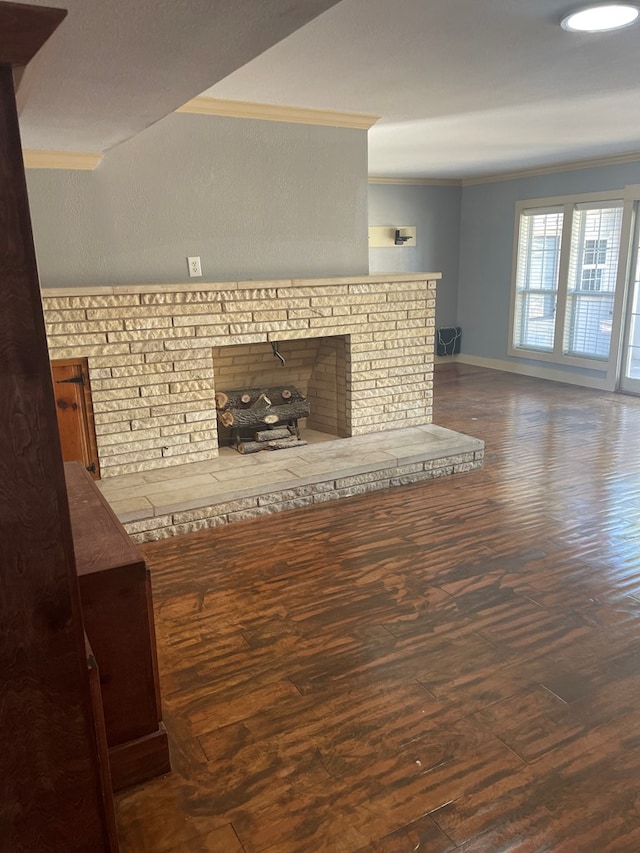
x: 51, y: 793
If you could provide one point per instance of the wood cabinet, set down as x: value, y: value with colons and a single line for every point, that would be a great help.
x: 115, y: 593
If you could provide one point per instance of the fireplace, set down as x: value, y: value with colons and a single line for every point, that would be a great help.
x: 317, y: 367
x: 360, y: 349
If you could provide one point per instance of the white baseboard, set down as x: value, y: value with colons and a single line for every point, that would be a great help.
x: 529, y: 370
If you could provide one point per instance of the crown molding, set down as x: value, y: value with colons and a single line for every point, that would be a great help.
x: 594, y: 162
x: 83, y: 160
x: 428, y: 182
x: 573, y: 165
x: 272, y: 112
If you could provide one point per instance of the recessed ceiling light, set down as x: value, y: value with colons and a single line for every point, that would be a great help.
x: 601, y: 18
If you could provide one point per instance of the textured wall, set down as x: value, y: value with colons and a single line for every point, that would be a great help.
x: 435, y: 211
x: 254, y: 199
x: 486, y: 252
x: 150, y: 354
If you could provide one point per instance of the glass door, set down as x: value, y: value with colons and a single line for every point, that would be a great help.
x: 630, y: 374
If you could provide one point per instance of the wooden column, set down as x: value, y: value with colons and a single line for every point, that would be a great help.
x: 51, y: 793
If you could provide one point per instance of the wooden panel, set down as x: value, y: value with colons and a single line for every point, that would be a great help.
x: 100, y: 541
x: 24, y: 29
x: 74, y: 410
x: 140, y: 760
x: 50, y: 785
x: 115, y: 588
x: 103, y: 749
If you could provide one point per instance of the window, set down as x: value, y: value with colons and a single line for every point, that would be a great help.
x: 537, y: 278
x: 565, y: 280
x: 593, y: 269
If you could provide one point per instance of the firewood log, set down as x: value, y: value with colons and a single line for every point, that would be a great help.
x: 272, y: 434
x: 221, y: 399
x: 282, y: 444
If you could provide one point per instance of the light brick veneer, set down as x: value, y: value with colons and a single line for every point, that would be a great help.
x: 150, y: 354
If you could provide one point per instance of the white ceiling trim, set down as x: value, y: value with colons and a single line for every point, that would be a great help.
x: 272, y: 112
x: 430, y: 182
x: 614, y: 160
x: 82, y: 160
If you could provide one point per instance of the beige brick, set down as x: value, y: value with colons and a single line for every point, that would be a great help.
x: 149, y: 463
x: 276, y: 326
x: 200, y: 415
x: 78, y: 341
x: 213, y: 341
x: 216, y: 510
x: 134, y: 450
x: 194, y: 385
x: 161, y: 390
x: 156, y: 345
x: 128, y: 382
x: 130, y: 395
x: 103, y: 415
x: 194, y: 526
x: 216, y: 320
x: 198, y: 355
x: 141, y: 369
x: 248, y: 514
x: 115, y: 360
x: 119, y: 301
x: 138, y: 423
x: 268, y: 316
x: 114, y: 427
x: 150, y: 334
x: 167, y: 298
x: 70, y: 315
x: 248, y: 291
x: 148, y: 524
x: 465, y: 467
x: 130, y: 440
x: 191, y: 455
x: 134, y: 324
x: 201, y: 428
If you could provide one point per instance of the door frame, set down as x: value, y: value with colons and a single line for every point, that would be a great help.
x: 626, y: 384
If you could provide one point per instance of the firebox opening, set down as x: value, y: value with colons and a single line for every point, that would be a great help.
x: 317, y: 368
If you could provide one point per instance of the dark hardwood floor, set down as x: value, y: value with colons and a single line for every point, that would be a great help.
x: 447, y: 666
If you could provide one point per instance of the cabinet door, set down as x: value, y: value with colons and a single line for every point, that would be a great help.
x: 75, y: 413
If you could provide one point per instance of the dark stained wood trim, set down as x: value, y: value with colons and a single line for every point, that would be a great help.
x: 50, y: 784
x: 24, y: 29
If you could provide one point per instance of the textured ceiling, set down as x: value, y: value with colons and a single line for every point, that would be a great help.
x: 463, y: 87
x: 115, y: 67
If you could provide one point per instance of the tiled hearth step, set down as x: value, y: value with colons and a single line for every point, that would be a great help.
x: 230, y: 488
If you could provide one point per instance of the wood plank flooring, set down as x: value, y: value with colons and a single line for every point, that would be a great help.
x: 450, y: 666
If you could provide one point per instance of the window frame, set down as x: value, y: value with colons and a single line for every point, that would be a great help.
x: 569, y: 204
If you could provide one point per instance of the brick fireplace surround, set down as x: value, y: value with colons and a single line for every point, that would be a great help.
x: 150, y: 354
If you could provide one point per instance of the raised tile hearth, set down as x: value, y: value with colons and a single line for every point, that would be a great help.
x: 184, y: 498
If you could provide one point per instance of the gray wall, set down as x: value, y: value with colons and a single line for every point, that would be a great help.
x: 435, y: 211
x: 486, y: 250
x: 255, y: 199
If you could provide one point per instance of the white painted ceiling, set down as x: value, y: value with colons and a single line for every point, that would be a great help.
x: 114, y: 67
x: 463, y: 87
